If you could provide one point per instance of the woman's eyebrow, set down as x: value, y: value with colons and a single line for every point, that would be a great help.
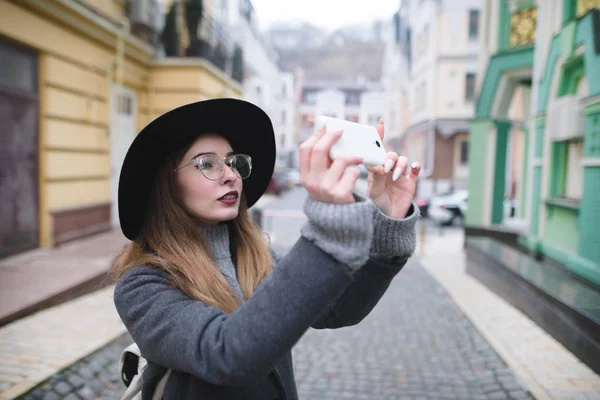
x: 212, y: 152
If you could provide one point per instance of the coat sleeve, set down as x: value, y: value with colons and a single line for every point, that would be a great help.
x: 393, y: 243
x: 241, y: 348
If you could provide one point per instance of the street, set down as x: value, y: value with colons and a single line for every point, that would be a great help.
x: 415, y: 344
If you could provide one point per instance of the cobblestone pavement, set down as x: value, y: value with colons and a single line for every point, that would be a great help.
x: 416, y: 344
x: 94, y: 377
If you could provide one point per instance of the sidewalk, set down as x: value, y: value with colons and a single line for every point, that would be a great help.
x: 44, y: 277
x: 541, y: 363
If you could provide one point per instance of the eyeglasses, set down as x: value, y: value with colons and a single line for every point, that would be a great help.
x: 213, y: 167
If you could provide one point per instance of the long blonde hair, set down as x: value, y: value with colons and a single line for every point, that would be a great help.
x: 170, y: 240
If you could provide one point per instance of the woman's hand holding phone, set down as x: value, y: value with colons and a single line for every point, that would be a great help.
x: 391, y: 188
x: 326, y: 180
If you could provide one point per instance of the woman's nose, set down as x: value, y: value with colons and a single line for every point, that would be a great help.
x: 229, y: 174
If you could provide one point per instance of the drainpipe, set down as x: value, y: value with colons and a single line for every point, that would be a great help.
x: 120, y: 54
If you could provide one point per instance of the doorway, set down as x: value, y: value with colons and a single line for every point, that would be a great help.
x: 19, y: 150
x: 122, y: 132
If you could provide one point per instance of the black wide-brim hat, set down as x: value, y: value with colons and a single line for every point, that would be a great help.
x: 246, y: 127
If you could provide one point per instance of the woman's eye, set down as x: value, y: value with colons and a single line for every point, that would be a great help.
x: 205, y: 165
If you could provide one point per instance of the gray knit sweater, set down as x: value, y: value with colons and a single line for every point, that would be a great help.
x: 333, y: 277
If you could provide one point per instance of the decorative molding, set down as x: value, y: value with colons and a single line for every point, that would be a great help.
x: 590, y: 162
x: 522, y: 27
x: 589, y: 102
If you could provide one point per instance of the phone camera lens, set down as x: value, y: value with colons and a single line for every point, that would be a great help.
x: 377, y: 143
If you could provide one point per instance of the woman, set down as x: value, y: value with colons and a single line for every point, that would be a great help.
x: 199, y: 289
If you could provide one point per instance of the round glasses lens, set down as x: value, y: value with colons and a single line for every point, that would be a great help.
x: 211, y: 166
x: 241, y: 165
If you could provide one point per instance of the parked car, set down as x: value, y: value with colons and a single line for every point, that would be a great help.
x: 280, y: 182
x: 450, y: 208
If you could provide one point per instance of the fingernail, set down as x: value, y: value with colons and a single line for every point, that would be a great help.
x: 396, y: 175
x: 388, y: 165
x: 380, y: 121
x: 415, y: 165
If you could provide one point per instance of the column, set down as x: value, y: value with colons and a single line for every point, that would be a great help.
x: 502, y: 132
x: 590, y: 201
x: 481, y: 133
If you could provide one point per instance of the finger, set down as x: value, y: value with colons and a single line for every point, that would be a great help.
x: 346, y: 185
x: 319, y: 159
x: 306, y: 150
x: 381, y: 129
x: 415, y: 170
x: 391, y: 159
x: 336, y: 171
x: 400, y: 168
x: 376, y: 169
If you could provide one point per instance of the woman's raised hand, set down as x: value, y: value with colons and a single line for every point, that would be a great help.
x: 326, y: 180
x: 392, y: 186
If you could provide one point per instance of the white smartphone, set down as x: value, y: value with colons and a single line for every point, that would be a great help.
x: 356, y: 140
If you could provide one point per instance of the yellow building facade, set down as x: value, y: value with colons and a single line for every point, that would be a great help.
x: 90, y: 86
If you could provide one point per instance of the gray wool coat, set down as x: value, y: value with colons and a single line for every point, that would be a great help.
x: 332, y: 277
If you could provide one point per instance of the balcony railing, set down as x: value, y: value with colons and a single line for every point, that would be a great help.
x: 207, y: 39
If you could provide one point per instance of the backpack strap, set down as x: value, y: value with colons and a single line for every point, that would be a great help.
x: 132, y: 367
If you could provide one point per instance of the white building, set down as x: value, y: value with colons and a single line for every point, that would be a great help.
x: 430, y: 91
x: 264, y: 83
x: 361, y: 102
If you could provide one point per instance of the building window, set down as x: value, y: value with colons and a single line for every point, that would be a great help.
x: 470, y: 87
x: 473, y: 24
x: 574, y: 181
x: 352, y: 99
x: 309, y: 97
x: 422, y: 44
x: 283, y: 117
x: 453, y: 89
x: 282, y: 141
x: 567, y: 179
x: 464, y: 152
x: 420, y: 97
x: 125, y: 104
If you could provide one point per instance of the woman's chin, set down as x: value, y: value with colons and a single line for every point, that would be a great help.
x: 228, y: 215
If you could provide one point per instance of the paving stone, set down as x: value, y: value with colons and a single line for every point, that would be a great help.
x: 63, y: 388
x: 498, y: 395
x: 75, y: 380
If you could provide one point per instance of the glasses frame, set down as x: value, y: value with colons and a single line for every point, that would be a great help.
x: 223, y: 161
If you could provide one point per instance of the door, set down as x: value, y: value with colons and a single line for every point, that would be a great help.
x: 19, y: 204
x: 122, y: 133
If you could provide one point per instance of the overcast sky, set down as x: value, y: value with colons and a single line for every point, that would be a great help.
x: 326, y: 14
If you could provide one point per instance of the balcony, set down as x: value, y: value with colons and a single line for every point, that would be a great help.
x: 203, y: 37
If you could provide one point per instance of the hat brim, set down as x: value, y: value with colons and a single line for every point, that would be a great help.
x: 246, y: 127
